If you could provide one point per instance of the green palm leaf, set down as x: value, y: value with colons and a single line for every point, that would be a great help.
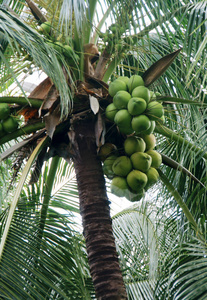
x: 19, y: 34
x: 137, y: 245
x: 58, y: 269
x: 187, y: 278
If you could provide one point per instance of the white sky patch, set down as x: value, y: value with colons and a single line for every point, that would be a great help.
x: 27, y: 82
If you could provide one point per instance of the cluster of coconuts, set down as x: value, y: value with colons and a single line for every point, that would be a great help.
x: 135, y: 111
x: 133, y: 171
x: 114, y: 36
x: 8, y: 123
x: 65, y: 49
x: 134, y: 108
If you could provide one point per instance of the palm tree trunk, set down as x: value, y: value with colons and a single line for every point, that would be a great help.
x: 95, y: 211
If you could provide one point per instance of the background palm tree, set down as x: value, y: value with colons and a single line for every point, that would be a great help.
x: 160, y: 253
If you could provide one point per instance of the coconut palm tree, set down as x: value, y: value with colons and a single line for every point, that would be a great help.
x: 81, y: 46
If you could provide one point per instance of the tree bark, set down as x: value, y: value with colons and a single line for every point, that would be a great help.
x: 95, y: 212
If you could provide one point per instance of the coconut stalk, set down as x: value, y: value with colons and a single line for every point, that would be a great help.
x: 27, y: 129
x: 178, y: 138
x: 182, y: 204
x: 35, y: 103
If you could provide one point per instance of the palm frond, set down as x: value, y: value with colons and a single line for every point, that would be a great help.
x: 17, y: 194
x: 57, y: 270
x: 19, y: 35
x: 145, y: 236
x: 187, y: 277
x: 65, y: 191
x: 76, y: 9
x: 64, y: 194
x: 5, y: 179
x: 138, y: 248
x: 195, y: 45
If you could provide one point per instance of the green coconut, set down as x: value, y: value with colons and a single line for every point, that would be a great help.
x: 10, y: 124
x: 134, y: 81
x: 156, y: 158
x: 150, y: 141
x: 135, y: 196
x: 134, y: 144
x: 122, y: 166
x: 107, y: 166
x: 123, y: 78
x: 116, y: 86
x: 136, y: 106
x: 106, y: 150
x: 121, y: 99
x: 140, y: 123
x: 123, y: 120
x: 154, y: 110
x: 68, y: 51
x: 136, y: 180
x: 4, y: 111
x: 141, y: 161
x: 119, y: 186
x: 46, y: 27
x: 152, y: 177
x: 111, y: 111
x: 141, y: 92
x: 150, y: 129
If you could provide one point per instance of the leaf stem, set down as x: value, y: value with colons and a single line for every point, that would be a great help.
x: 181, y: 203
x: 17, y: 193
x: 47, y: 196
x: 22, y: 131
x: 178, y: 138
x: 111, y: 68
x: 101, y: 23
x: 90, y: 16
x: 36, y: 103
